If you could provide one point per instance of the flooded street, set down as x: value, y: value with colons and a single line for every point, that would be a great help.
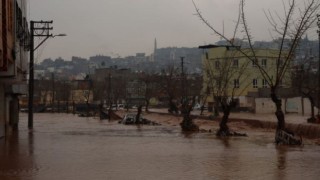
x: 64, y: 146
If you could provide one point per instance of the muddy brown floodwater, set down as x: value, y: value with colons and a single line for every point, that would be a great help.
x: 66, y: 147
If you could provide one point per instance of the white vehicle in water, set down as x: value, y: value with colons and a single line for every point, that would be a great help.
x: 120, y: 106
x: 129, y: 119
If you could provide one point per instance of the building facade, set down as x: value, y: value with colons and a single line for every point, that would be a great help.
x: 228, y: 72
x: 14, y: 41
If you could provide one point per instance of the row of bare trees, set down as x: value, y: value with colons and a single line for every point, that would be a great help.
x: 165, y: 87
x: 288, y: 28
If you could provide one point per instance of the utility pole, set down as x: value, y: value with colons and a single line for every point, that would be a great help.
x: 182, y: 81
x: 31, y: 77
x: 318, y: 98
x: 109, y: 90
x: 53, y: 92
x: 109, y: 96
x: 37, y: 29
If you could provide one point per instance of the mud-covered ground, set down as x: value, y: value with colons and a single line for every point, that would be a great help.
x: 238, y: 125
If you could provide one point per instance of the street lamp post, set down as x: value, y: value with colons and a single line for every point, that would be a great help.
x: 37, y: 29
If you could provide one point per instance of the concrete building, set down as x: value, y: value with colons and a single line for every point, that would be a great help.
x: 13, y: 61
x: 227, y: 71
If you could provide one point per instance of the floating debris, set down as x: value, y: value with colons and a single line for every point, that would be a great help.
x: 287, y: 138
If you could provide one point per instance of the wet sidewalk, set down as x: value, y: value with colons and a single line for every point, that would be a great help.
x: 290, y: 118
x: 295, y: 122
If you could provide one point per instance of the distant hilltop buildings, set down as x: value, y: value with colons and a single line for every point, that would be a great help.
x: 307, y: 48
x: 159, y: 60
x: 155, y: 63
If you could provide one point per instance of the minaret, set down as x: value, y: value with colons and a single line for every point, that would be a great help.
x: 155, y: 49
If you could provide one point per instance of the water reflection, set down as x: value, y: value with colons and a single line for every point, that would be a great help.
x: 282, y: 162
x: 281, y: 155
x: 188, y: 134
x: 30, y: 142
x: 16, y: 154
x: 225, y: 141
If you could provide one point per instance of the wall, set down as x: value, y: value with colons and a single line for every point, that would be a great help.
x: 2, y: 111
x: 290, y: 105
x: 14, y: 56
x: 264, y: 105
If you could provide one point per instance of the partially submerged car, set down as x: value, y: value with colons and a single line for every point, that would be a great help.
x: 129, y: 119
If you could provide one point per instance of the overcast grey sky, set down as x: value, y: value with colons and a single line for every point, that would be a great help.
x: 126, y: 27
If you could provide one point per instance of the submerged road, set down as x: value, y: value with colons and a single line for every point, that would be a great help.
x: 64, y: 146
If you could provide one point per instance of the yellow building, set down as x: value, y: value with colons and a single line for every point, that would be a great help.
x: 228, y: 72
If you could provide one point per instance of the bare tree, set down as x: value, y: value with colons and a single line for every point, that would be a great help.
x: 226, y: 79
x: 169, y: 85
x: 42, y: 88
x: 62, y: 94
x: 289, y: 27
x: 187, y: 103
x: 87, y: 90
x: 118, y: 90
x: 303, y: 81
x: 152, y: 87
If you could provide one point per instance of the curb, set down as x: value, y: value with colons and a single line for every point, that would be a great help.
x: 306, y: 130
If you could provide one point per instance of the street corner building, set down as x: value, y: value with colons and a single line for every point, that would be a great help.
x: 14, y: 47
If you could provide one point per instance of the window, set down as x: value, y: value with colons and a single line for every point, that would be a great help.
x: 255, y: 83
x: 236, y: 83
x: 217, y: 64
x: 254, y: 63
x: 235, y: 63
x: 264, y: 62
x: 264, y: 83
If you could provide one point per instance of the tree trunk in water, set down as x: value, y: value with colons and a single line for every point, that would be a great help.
x: 279, y: 113
x: 224, y: 129
x: 312, y: 119
x: 138, y: 114
x: 147, y: 105
x: 172, y: 106
x: 187, y: 124
x: 283, y: 136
